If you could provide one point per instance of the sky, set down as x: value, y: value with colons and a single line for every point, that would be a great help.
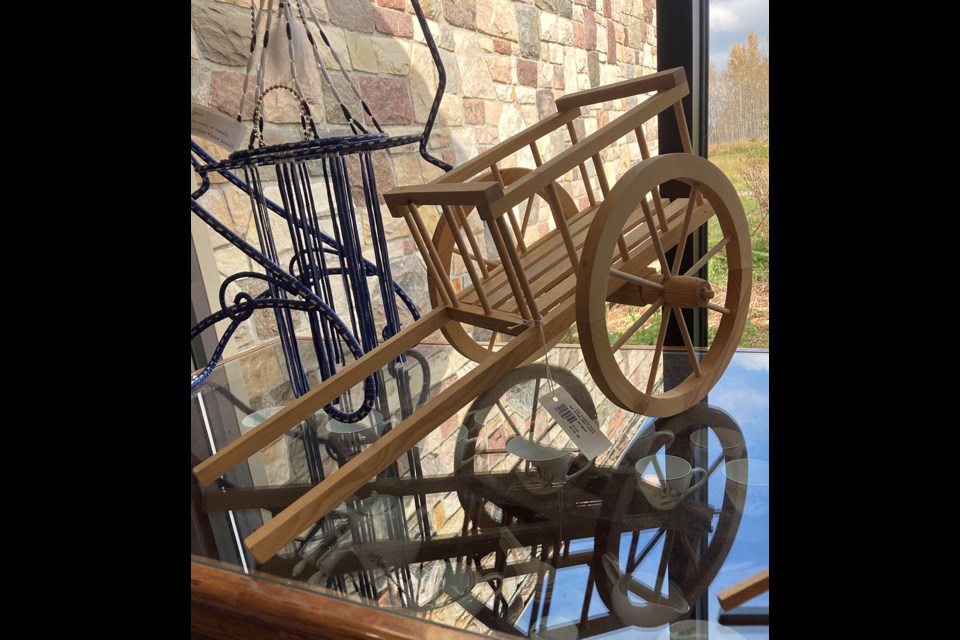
x: 731, y: 20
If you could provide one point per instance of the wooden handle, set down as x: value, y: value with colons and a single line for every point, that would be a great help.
x: 744, y: 590
x: 478, y: 194
x: 654, y: 82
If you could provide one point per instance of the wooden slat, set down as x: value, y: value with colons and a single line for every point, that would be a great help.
x: 226, y: 605
x: 455, y: 231
x: 495, y: 319
x: 660, y: 81
x: 314, y: 400
x: 438, y: 275
x: 478, y: 194
x: 744, y: 590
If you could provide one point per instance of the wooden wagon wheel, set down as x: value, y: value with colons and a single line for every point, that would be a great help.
x: 652, y: 577
x: 649, y: 229
x: 480, y: 347
x: 509, y: 409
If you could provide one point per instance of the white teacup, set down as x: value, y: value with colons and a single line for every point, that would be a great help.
x: 753, y: 477
x: 677, y: 473
x: 460, y: 457
x: 645, y: 443
x: 551, y: 464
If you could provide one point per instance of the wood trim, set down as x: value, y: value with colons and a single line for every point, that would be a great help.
x: 230, y: 606
x: 654, y: 82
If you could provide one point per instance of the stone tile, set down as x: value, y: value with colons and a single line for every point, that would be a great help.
x: 492, y: 110
x: 395, y: 4
x: 406, y: 169
x: 475, y: 78
x: 439, y: 137
x: 332, y: 107
x: 392, y: 55
x: 222, y: 31
x: 512, y: 121
x: 394, y: 23
x: 497, y: 18
x: 555, y: 53
x: 507, y: 92
x: 548, y: 27
x: 526, y: 95
x: 566, y: 9
x: 320, y: 9
x: 464, y: 143
x: 593, y: 68
x: 423, y: 82
x: 527, y: 72
x: 499, y: 67
x: 461, y: 13
x: 225, y: 90
x: 360, y: 50
x: 589, y: 31
x: 451, y: 111
x: 200, y: 84
x: 611, y: 43
x: 488, y: 135
x: 545, y: 75
x: 354, y: 16
x: 547, y: 5
x: 431, y: 8
x: 450, y: 67
x: 545, y: 103
x: 529, y: 25
x: 474, y: 111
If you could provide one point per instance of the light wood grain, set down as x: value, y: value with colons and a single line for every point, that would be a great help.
x: 228, y: 605
x: 594, y: 282
x: 660, y: 81
x: 745, y: 590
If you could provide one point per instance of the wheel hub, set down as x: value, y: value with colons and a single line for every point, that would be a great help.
x: 687, y: 291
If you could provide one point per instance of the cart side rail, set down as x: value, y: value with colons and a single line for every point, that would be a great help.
x: 661, y: 81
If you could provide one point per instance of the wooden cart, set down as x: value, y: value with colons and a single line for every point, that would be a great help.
x: 612, y: 250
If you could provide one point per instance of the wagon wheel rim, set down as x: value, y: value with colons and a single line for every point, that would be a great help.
x: 476, y: 349
x: 644, y: 560
x: 657, y: 287
x: 507, y: 410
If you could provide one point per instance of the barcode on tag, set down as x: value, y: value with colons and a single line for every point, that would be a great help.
x: 576, y: 423
x: 216, y: 127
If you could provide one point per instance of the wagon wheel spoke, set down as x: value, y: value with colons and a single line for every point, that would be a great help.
x: 632, y: 329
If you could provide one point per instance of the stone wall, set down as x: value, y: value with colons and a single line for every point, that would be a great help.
x: 506, y: 61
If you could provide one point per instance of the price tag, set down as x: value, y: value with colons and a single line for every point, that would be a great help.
x: 217, y: 127
x: 577, y: 424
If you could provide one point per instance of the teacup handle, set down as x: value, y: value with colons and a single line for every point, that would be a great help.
x: 699, y: 482
x: 582, y: 469
x: 668, y: 434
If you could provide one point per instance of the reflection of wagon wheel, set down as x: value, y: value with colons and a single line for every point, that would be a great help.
x: 647, y: 279
x: 663, y: 571
x: 473, y: 342
x: 509, y: 409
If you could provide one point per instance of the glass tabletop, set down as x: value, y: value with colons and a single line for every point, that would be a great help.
x: 495, y: 522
